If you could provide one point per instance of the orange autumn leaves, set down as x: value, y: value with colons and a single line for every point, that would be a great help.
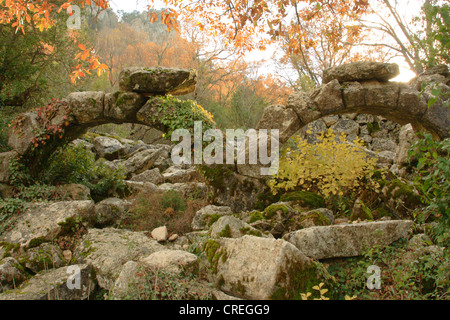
x: 18, y: 13
x: 250, y: 25
x: 92, y: 59
x: 21, y: 14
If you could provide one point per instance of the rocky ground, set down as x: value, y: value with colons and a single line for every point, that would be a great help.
x: 268, y: 254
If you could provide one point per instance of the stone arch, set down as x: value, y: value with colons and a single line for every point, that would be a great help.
x: 364, y: 88
x: 353, y: 88
x: 138, y: 102
x: 361, y: 87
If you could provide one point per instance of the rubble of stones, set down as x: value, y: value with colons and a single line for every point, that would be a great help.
x: 258, y: 245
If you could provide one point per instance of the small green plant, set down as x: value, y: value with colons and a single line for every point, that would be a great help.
x: 407, y: 273
x: 9, y: 208
x: 173, y: 199
x: 153, y: 210
x: 159, y: 284
x: 37, y: 192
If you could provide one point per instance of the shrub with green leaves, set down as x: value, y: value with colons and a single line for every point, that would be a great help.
x: 69, y: 164
x: 178, y: 114
x: 432, y: 179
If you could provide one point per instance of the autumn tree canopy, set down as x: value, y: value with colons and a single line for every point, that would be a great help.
x: 324, y: 33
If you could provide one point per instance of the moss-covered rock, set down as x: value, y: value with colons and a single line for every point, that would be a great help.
x: 400, y: 198
x: 260, y: 268
x: 361, y: 212
x: 277, y: 210
x: 255, y: 216
x: 46, y: 256
x: 318, y: 217
x: 158, y: 80
x: 266, y: 198
x: 232, y: 227
x: 304, y: 199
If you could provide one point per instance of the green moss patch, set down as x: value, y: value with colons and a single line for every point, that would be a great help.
x: 256, y: 216
x: 305, y: 199
x: 274, y: 209
x: 214, y: 254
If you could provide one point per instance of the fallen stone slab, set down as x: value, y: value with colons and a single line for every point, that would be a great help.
x: 178, y: 175
x: 175, y: 261
x: 45, y: 222
x: 107, y: 250
x: 68, y: 283
x: 158, y: 81
x: 347, y: 240
x: 260, y: 268
x: 362, y: 70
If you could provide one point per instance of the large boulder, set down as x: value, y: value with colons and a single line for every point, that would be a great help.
x: 362, y: 70
x: 11, y: 274
x: 281, y: 118
x: 153, y: 176
x: 144, y: 160
x: 110, y: 211
x: 232, y: 227
x: 328, y: 98
x: 123, y: 106
x: 175, y: 261
x: 108, y: 148
x: 107, y: 250
x: 158, y: 81
x: 56, y: 284
x: 207, y: 215
x: 348, y: 240
x: 259, y: 268
x: 175, y: 174
x: 45, y: 222
x: 87, y: 107
x: 303, y: 106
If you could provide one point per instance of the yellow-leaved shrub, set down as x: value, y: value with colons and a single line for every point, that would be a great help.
x: 332, y: 166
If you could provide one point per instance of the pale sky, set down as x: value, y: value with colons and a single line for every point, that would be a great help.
x: 129, y: 5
